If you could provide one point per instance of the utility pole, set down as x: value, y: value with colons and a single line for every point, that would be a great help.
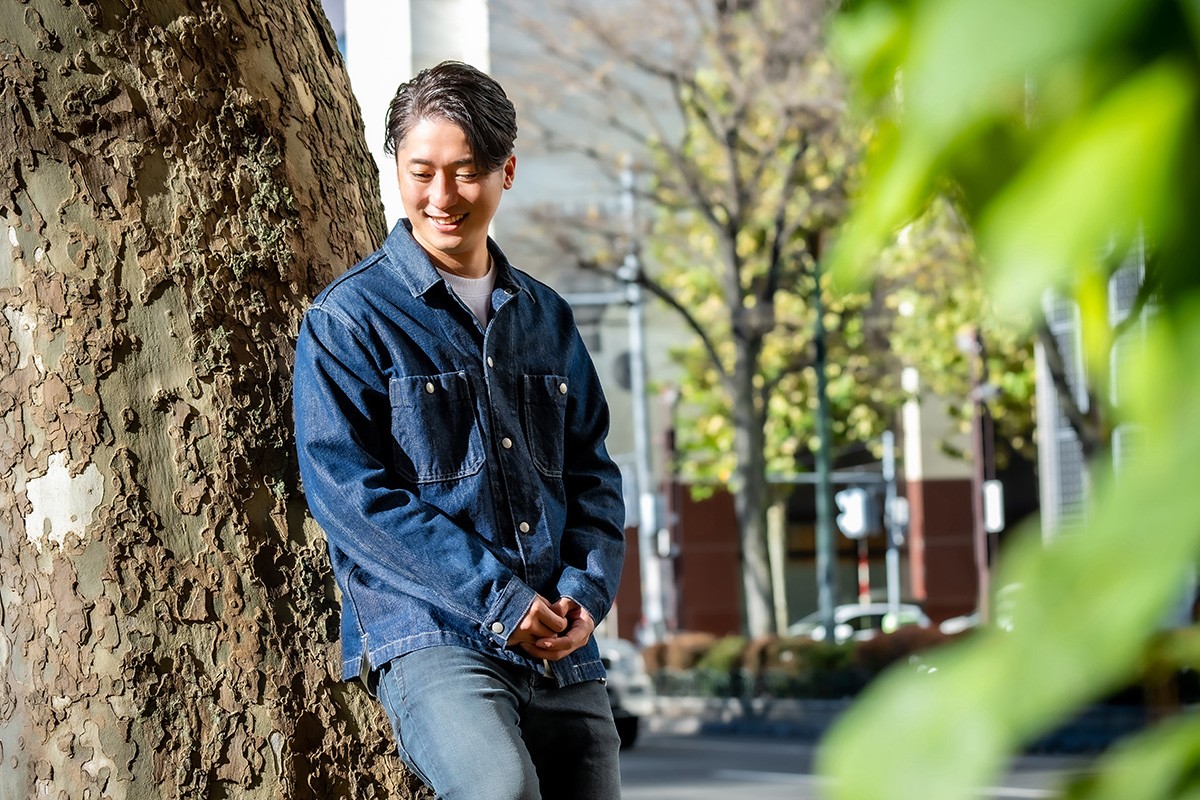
x: 651, y: 570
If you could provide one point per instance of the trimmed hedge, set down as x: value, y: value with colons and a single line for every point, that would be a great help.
x: 702, y: 664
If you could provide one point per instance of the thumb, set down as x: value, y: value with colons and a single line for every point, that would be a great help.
x: 548, y: 614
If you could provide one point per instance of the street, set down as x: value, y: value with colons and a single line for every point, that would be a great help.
x: 681, y: 767
x: 666, y: 767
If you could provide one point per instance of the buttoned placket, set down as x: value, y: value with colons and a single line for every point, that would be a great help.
x: 480, y: 343
x: 502, y: 393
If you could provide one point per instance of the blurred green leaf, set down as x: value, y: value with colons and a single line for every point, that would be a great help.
x: 1068, y: 130
x: 867, y: 41
x: 959, y: 74
x: 1099, y: 180
x: 1157, y: 766
x: 1068, y: 645
x: 957, y: 84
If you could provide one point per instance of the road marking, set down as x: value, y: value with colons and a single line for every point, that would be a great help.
x: 759, y: 776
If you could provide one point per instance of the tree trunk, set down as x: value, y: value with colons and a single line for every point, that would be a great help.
x: 186, y: 175
x: 751, y: 493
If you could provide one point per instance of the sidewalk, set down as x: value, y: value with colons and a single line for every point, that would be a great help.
x: 1091, y: 731
x: 807, y: 719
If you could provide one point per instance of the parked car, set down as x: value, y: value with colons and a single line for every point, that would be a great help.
x: 630, y: 692
x: 960, y: 624
x: 859, y: 621
x: 1002, y: 612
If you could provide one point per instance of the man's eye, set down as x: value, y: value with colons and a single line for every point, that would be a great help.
x: 421, y: 176
x: 467, y: 176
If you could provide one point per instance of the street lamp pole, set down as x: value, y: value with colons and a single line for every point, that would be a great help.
x: 971, y: 343
x: 893, y: 524
x: 826, y: 555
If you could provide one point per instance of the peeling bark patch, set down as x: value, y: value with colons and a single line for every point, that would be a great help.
x: 308, y: 103
x: 62, y: 503
x: 99, y: 766
x: 21, y: 328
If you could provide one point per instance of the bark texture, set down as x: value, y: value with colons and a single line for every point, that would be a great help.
x: 185, y: 175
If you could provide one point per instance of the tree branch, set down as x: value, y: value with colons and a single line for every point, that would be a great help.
x: 782, y: 231
x: 660, y: 291
x: 1087, y: 426
x: 1145, y: 293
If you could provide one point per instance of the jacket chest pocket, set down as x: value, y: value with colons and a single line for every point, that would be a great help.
x: 433, y: 427
x: 546, y: 421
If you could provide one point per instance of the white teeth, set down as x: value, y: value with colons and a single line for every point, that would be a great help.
x: 447, y: 220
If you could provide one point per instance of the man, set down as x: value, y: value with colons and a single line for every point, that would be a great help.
x: 450, y: 428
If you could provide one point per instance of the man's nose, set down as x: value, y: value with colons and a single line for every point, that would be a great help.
x: 443, y: 192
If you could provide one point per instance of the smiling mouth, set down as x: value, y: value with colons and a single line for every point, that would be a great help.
x: 447, y: 222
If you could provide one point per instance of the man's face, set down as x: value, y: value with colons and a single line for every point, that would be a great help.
x: 448, y: 199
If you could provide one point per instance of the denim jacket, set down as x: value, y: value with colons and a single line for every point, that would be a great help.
x: 455, y: 469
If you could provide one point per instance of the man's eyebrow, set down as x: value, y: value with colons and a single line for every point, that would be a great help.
x: 425, y: 162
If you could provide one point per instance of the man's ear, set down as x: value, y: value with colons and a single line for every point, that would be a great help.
x: 510, y: 171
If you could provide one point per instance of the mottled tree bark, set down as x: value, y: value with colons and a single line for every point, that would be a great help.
x: 185, y: 175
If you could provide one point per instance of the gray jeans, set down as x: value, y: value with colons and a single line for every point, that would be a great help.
x: 472, y: 726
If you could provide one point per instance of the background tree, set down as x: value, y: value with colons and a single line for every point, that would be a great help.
x: 738, y: 115
x: 862, y: 389
x: 931, y: 277
x: 184, y: 176
x: 1072, y: 131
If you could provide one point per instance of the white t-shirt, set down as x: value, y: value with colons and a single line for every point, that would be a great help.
x: 476, y: 293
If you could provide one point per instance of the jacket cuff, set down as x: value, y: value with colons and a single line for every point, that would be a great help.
x: 584, y: 595
x: 506, y: 613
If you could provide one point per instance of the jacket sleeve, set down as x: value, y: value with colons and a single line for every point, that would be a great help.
x: 593, y: 544
x: 343, y: 438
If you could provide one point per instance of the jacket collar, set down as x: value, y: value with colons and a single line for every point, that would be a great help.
x: 415, y: 269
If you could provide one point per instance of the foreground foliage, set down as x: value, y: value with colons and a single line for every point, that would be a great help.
x: 1070, y: 130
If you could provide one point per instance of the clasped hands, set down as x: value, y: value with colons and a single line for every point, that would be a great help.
x: 553, y: 630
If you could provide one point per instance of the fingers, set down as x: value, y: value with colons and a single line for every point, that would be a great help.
x: 579, y: 630
x: 556, y: 648
x: 553, y: 630
x: 572, y: 611
x: 541, y: 621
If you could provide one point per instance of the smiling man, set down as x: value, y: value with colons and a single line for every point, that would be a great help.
x: 450, y: 429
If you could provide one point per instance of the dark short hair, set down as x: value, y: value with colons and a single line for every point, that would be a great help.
x: 461, y: 94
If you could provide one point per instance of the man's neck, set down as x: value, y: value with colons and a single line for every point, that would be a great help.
x: 469, y: 265
x: 476, y: 266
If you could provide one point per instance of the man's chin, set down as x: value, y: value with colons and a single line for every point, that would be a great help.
x: 448, y: 243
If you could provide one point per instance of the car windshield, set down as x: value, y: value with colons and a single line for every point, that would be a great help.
x: 860, y: 617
